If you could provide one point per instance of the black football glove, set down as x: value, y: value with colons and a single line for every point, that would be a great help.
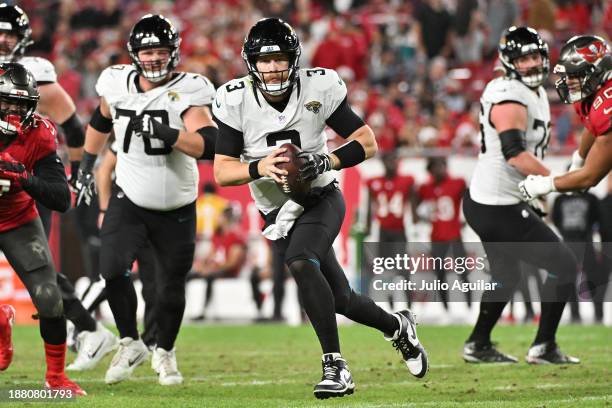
x: 315, y: 164
x: 13, y: 170
x: 74, y: 172
x: 144, y: 125
x: 85, y: 186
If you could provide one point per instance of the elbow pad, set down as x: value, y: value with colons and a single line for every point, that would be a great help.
x: 513, y: 142
x: 100, y: 123
x: 73, y: 130
x: 209, y: 134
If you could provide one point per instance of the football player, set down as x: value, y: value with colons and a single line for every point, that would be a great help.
x: 442, y: 194
x: 515, y: 123
x: 585, y: 67
x: 31, y: 170
x: 56, y: 104
x: 162, y: 125
x: 278, y: 102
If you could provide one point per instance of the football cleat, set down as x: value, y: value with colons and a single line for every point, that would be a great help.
x: 130, y: 355
x: 549, y: 353
x: 92, y: 347
x: 164, y: 364
x: 61, y: 382
x: 485, y: 353
x: 336, y: 380
x: 406, y: 342
x: 7, y: 318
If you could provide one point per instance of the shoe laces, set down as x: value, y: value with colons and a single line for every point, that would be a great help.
x: 329, y: 371
x: 123, y: 356
x: 167, y: 362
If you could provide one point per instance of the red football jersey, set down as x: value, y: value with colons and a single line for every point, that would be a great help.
x: 597, y: 117
x: 390, y: 198
x: 222, y: 243
x: 446, y: 199
x: 40, y: 140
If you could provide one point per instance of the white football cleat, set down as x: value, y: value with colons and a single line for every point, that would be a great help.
x: 130, y: 355
x: 164, y: 363
x: 92, y: 347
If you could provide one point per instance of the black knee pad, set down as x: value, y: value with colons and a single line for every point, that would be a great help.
x: 300, y: 268
x: 48, y: 300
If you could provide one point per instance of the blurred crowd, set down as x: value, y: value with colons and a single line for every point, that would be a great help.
x: 415, y: 68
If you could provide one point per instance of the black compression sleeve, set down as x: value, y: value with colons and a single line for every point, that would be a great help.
x: 73, y: 130
x: 49, y: 185
x: 209, y: 134
x: 350, y: 154
x: 513, y: 142
x: 344, y: 121
x: 230, y: 141
x: 99, y: 122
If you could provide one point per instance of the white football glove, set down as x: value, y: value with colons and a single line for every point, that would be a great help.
x: 577, y: 161
x: 536, y: 186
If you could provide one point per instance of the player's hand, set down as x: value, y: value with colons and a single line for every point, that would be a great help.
x: 577, y: 162
x: 316, y: 164
x: 84, y: 188
x: 74, y: 172
x: 145, y: 126
x: 538, y: 207
x: 267, y: 166
x: 536, y: 186
x: 13, y: 170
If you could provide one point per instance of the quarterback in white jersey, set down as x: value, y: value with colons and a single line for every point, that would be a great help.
x: 515, y: 122
x: 162, y: 124
x: 278, y: 103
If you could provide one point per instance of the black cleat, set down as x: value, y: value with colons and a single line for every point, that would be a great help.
x: 549, y: 353
x: 406, y: 342
x: 485, y: 353
x: 336, y: 380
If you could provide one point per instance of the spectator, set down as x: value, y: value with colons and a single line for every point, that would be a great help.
x: 433, y: 28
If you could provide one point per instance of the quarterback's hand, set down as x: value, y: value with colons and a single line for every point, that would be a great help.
x: 144, y: 125
x: 13, y: 170
x: 577, y: 162
x: 267, y: 166
x: 536, y: 186
x: 316, y: 164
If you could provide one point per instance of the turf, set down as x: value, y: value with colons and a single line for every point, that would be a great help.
x: 277, y: 366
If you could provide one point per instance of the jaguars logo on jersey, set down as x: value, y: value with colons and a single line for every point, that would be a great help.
x: 314, y: 106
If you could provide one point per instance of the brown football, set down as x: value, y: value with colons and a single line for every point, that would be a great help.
x: 292, y: 185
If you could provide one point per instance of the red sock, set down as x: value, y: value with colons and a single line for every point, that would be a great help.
x: 56, y: 358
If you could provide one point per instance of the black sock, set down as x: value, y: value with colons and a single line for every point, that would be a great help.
x: 487, y: 318
x: 318, y: 302
x: 76, y: 313
x: 363, y: 310
x: 53, y: 330
x: 123, y: 302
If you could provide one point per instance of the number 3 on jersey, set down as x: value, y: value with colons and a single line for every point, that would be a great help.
x: 129, y: 131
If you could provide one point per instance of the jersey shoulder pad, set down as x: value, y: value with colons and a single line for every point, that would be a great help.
x: 196, y: 89
x: 505, y: 90
x: 327, y: 85
x: 114, y: 79
x: 42, y: 69
x: 600, y: 114
x: 228, y: 100
x: 45, y: 136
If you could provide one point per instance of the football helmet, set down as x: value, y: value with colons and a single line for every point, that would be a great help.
x: 18, y: 100
x: 517, y: 42
x: 154, y: 31
x: 14, y: 20
x: 586, y: 58
x: 272, y: 36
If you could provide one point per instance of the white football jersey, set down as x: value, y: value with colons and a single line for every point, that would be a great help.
x: 315, y: 96
x: 152, y: 174
x: 495, y: 182
x: 42, y: 70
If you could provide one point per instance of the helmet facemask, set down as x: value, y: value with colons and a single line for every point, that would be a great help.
x: 518, y: 42
x: 273, y: 89
x: 156, y: 70
x: 16, y: 113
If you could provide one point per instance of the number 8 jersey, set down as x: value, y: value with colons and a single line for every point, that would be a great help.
x: 151, y: 173
x: 314, y: 98
x: 495, y: 182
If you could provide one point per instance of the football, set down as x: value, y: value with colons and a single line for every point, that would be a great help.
x: 291, y: 184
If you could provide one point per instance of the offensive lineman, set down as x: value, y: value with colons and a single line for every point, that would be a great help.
x: 31, y: 170
x: 15, y: 36
x: 515, y: 121
x: 162, y: 124
x: 279, y: 102
x: 585, y: 66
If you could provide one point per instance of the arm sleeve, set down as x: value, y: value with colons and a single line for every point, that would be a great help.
x: 49, y: 185
x: 230, y: 142
x: 344, y: 121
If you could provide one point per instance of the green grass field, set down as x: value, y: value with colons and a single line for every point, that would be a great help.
x: 277, y: 366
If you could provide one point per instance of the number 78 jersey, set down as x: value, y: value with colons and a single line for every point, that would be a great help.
x: 151, y: 173
x: 495, y: 182
x: 241, y: 106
